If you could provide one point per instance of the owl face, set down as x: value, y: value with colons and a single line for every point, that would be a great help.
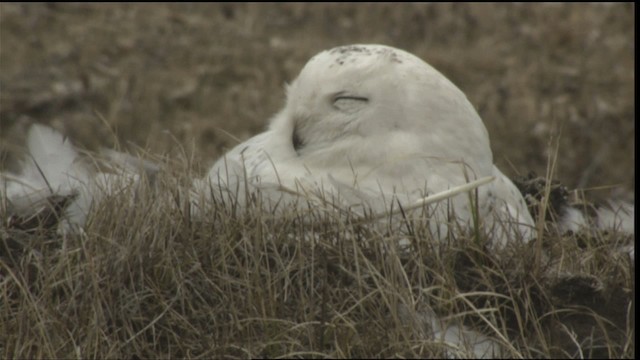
x: 368, y: 95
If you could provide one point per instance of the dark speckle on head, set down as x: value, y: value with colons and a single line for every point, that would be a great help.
x: 351, y: 52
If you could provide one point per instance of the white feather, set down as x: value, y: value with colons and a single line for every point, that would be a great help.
x: 459, y: 341
x: 618, y: 215
x: 52, y: 166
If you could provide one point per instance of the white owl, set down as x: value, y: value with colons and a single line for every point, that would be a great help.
x: 373, y: 125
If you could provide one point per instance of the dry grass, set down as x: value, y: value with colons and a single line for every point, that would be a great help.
x: 147, y: 280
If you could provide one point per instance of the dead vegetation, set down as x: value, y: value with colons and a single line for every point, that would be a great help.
x: 146, y: 280
x: 149, y: 281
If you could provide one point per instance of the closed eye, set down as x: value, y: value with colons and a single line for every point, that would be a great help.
x: 349, y: 103
x: 356, y: 98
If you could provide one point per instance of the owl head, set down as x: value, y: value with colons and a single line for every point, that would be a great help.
x: 357, y: 98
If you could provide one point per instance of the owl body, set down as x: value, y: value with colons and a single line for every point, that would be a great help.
x: 373, y: 125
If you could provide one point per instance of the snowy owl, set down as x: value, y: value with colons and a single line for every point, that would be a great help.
x: 376, y: 126
x: 364, y: 127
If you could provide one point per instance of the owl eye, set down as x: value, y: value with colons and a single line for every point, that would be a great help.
x: 349, y: 103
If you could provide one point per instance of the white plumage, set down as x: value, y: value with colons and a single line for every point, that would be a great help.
x: 369, y: 124
x: 53, y: 167
x: 457, y: 340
